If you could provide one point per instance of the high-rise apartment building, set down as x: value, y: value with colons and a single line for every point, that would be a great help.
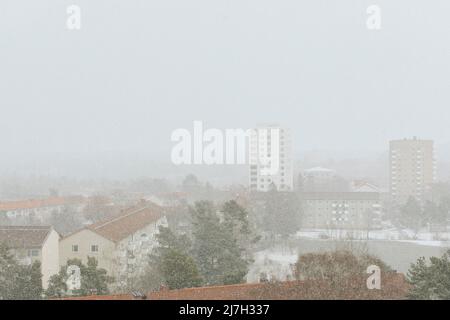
x: 270, y: 155
x: 412, y: 169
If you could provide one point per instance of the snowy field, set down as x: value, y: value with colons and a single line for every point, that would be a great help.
x: 396, y: 248
x: 424, y: 238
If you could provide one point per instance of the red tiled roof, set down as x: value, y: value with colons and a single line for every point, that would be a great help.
x: 394, y: 286
x: 229, y: 292
x: 128, y: 222
x: 38, y: 203
x: 24, y: 236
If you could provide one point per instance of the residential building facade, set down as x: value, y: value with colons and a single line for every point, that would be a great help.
x: 34, y: 243
x: 121, y: 245
x: 341, y: 210
x: 270, y: 155
x: 412, y: 169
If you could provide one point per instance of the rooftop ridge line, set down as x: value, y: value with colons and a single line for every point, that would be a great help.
x: 119, y: 218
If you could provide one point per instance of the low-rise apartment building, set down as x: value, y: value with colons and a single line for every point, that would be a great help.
x: 341, y: 210
x: 121, y: 244
x: 34, y: 243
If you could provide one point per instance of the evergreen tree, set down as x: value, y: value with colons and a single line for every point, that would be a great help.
x: 179, y: 270
x: 94, y: 280
x: 430, y: 281
x: 236, y: 220
x: 214, y: 254
x: 235, y: 217
x: 282, y: 213
x: 18, y: 282
x: 8, y: 273
x: 173, y: 265
x: 216, y: 246
x: 167, y: 239
x: 29, y: 282
x: 57, y: 287
x: 411, y: 215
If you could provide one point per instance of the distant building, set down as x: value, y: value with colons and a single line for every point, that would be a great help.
x: 121, y: 244
x: 363, y: 186
x: 341, y: 210
x: 270, y: 147
x: 40, y: 209
x: 412, y: 169
x: 34, y: 243
x: 320, y: 179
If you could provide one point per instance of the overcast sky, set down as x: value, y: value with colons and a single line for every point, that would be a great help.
x: 137, y: 70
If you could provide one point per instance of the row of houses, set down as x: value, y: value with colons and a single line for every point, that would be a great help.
x: 121, y: 244
x: 40, y: 209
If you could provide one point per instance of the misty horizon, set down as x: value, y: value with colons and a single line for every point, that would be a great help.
x: 134, y: 74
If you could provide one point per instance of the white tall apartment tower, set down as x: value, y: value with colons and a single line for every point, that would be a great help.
x: 412, y: 169
x: 270, y: 155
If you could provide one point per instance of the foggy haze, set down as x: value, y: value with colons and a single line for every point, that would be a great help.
x: 224, y: 150
x: 137, y: 70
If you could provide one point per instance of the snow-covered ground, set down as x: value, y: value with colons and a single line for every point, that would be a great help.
x: 276, y: 263
x: 423, y: 238
x: 397, y: 248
